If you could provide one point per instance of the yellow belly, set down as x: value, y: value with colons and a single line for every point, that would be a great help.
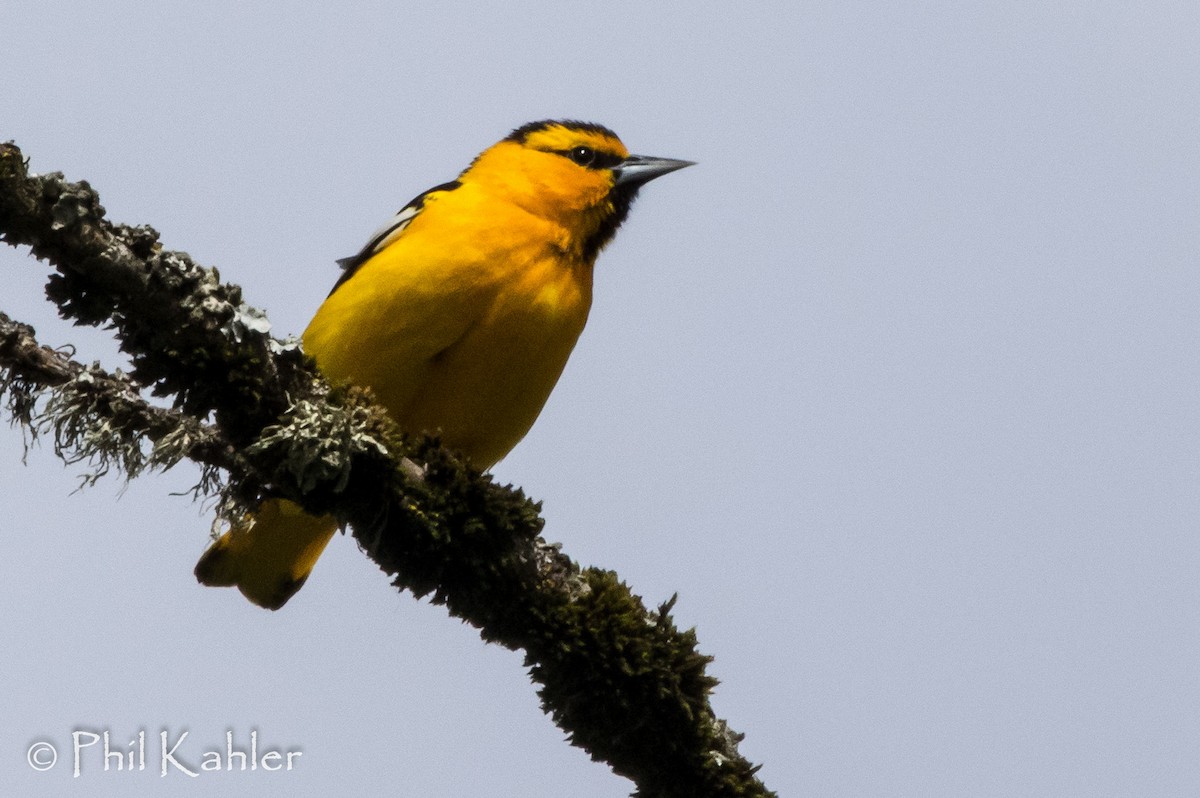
x: 470, y: 350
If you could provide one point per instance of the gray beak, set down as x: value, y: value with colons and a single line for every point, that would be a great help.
x: 638, y: 169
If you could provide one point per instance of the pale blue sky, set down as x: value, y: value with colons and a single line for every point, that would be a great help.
x: 897, y: 388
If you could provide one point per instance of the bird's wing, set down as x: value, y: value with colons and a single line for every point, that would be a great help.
x: 410, y: 303
x: 388, y: 233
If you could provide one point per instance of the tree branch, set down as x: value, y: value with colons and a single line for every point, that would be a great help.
x: 622, y: 681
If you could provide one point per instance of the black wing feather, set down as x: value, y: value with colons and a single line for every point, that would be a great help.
x: 386, y: 234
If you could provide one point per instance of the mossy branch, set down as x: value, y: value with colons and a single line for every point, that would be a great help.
x: 622, y: 681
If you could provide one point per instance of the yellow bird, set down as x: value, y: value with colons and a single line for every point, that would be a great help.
x: 460, y: 314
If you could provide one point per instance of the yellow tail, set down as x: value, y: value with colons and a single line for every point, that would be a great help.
x: 269, y: 555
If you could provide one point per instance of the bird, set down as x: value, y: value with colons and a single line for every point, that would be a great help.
x: 459, y: 314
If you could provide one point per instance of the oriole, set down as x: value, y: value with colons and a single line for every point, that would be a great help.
x: 460, y: 314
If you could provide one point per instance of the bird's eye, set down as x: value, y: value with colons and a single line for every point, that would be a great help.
x: 584, y: 156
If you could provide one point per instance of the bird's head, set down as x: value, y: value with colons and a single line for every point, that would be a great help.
x: 577, y: 174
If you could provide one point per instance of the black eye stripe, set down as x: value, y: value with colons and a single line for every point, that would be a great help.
x: 591, y: 158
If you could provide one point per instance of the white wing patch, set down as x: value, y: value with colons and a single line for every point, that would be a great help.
x: 384, y: 235
x: 387, y: 234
